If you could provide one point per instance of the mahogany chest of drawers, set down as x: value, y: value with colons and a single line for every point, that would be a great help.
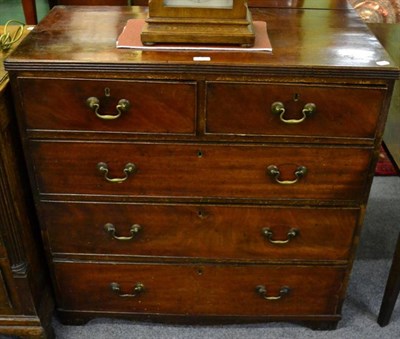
x: 227, y: 190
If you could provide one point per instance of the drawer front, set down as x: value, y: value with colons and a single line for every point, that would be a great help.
x: 199, y: 289
x: 202, y: 231
x: 154, y: 107
x: 182, y: 171
x: 340, y: 111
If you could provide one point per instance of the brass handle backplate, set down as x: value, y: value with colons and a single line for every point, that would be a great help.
x: 267, y: 232
x: 262, y: 291
x: 110, y: 229
x: 279, y: 108
x: 94, y: 104
x: 137, y: 289
x: 129, y: 168
x: 274, y: 172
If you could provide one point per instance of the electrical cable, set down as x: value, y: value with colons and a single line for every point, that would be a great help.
x: 7, y: 39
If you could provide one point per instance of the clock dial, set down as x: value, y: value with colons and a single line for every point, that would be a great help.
x: 199, y: 3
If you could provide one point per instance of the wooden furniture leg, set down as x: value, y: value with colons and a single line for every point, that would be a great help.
x: 388, y: 35
x: 29, y: 7
x: 392, y: 289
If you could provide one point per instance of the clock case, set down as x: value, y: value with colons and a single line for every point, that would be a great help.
x: 200, y: 25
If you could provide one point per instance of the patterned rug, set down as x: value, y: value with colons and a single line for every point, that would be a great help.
x: 385, y: 11
x: 385, y: 166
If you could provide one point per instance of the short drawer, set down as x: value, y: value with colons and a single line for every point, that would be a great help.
x: 154, y: 107
x: 197, y: 171
x: 245, y: 109
x: 200, y: 231
x: 199, y: 289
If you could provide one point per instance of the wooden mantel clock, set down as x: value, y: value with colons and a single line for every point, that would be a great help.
x: 198, y: 22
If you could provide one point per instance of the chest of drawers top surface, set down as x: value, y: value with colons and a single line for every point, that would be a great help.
x: 306, y: 42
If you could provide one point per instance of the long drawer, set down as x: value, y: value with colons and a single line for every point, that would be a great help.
x: 214, y: 171
x: 199, y: 231
x: 199, y: 289
x: 338, y: 111
x: 146, y: 107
